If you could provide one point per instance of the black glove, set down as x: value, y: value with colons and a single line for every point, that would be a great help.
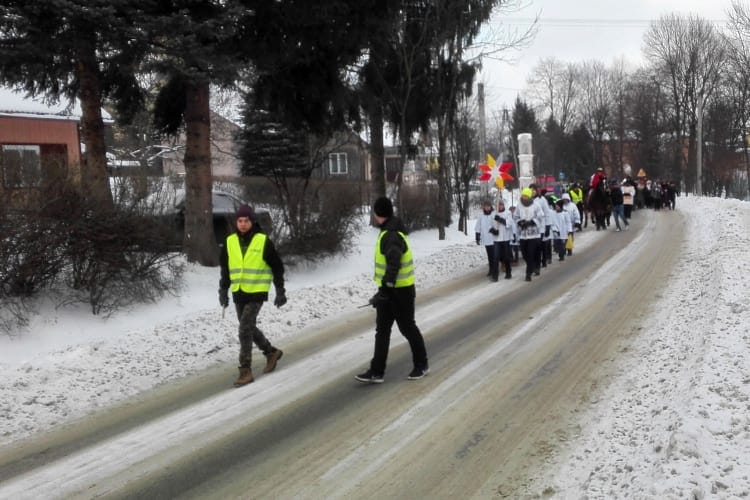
x: 499, y: 219
x: 546, y: 231
x: 494, y: 232
x: 530, y: 223
x: 280, y: 299
x: 223, y: 297
x: 479, y: 239
x: 379, y: 299
x: 522, y: 224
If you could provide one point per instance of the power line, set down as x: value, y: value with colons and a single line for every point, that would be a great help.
x: 560, y: 22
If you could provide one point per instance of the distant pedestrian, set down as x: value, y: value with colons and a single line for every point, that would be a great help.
x: 249, y: 264
x: 543, y: 253
x: 576, y: 197
x: 575, y: 221
x: 561, y: 228
x: 396, y: 296
x: 618, y: 209
x: 530, y: 219
x: 484, y: 234
x: 504, y: 226
x: 628, y: 198
x: 514, y: 242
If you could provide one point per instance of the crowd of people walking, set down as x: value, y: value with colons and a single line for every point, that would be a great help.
x: 544, y: 225
x: 541, y: 227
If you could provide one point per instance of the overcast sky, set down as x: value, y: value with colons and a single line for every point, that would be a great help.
x: 578, y: 30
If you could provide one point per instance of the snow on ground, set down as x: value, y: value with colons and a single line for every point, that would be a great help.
x: 673, y: 421
x: 670, y: 421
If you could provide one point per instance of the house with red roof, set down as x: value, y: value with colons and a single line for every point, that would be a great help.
x: 40, y: 144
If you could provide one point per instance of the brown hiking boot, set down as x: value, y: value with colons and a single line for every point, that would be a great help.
x: 246, y: 376
x: 271, y: 360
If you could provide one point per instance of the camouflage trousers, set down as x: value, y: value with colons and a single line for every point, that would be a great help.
x: 249, y: 332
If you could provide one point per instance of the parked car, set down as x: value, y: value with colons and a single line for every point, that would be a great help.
x: 225, y: 206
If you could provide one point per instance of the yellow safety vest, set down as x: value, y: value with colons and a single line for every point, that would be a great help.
x: 405, y: 275
x: 576, y: 195
x: 248, y: 273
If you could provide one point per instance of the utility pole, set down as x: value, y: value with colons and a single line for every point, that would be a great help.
x: 485, y: 189
x: 699, y: 149
x: 514, y: 154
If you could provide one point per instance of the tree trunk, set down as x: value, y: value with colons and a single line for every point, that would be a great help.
x: 441, y: 174
x: 94, y: 179
x: 199, y: 243
x: 378, y: 149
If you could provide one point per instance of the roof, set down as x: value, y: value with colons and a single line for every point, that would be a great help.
x: 18, y: 103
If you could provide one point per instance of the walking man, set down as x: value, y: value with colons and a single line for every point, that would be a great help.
x: 249, y: 263
x: 618, y: 209
x: 530, y: 218
x: 395, y: 299
x: 505, y: 229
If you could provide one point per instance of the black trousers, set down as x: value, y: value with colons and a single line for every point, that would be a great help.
x: 529, y: 250
x: 504, y: 255
x: 398, y: 309
x: 492, y: 260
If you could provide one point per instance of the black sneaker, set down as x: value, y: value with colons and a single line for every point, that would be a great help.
x: 418, y: 373
x: 369, y: 377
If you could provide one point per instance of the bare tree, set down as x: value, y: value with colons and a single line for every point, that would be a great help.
x: 463, y: 150
x: 645, y: 103
x: 688, y: 54
x: 738, y: 38
x: 618, y: 78
x: 552, y: 83
x: 594, y: 103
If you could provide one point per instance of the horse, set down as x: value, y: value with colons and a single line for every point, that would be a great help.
x: 598, y: 204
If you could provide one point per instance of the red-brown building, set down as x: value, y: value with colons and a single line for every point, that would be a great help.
x: 39, y: 144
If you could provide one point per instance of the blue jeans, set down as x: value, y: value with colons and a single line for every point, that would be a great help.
x: 619, y: 213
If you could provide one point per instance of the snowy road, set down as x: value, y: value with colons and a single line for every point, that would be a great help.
x: 502, y: 371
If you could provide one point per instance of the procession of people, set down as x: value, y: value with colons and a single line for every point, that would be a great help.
x: 540, y: 227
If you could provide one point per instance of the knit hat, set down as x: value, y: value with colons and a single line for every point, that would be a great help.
x: 501, y: 202
x: 383, y: 207
x: 566, y: 196
x: 527, y: 192
x: 246, y: 211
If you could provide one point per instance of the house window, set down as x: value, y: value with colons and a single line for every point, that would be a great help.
x: 22, y: 166
x: 337, y: 163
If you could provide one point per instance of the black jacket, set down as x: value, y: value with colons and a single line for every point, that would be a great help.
x: 615, y: 194
x: 269, y: 255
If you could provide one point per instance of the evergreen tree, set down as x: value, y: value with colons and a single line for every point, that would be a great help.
x: 74, y: 48
x: 302, y: 53
x: 578, y: 155
x: 270, y: 149
x: 194, y: 45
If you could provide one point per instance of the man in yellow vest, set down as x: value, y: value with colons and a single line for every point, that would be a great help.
x: 576, y: 196
x: 395, y: 300
x: 249, y: 264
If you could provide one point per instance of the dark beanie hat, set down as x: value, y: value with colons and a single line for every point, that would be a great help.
x: 383, y: 207
x: 246, y: 211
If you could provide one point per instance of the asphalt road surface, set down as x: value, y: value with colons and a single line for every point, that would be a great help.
x: 510, y: 362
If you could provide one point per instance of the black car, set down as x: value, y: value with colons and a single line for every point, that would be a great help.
x: 225, y: 207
